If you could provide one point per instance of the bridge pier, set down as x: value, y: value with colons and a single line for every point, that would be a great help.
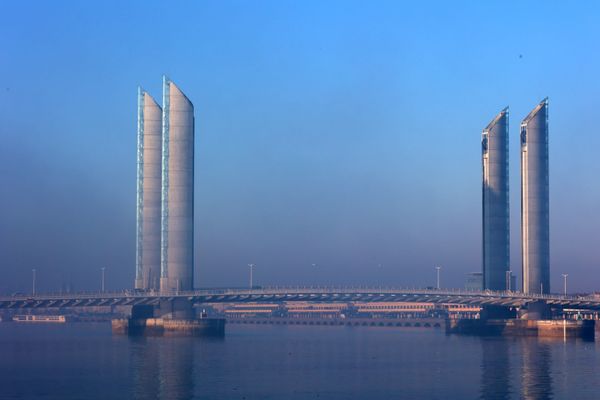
x: 534, y: 319
x: 173, y: 317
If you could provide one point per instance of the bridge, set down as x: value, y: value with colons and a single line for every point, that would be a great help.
x: 309, y: 294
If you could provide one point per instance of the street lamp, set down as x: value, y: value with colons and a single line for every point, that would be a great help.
x: 565, y: 282
x: 33, y: 282
x: 103, y: 268
x: 437, y: 269
x: 251, y: 269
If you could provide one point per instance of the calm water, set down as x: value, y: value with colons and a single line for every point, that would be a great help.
x: 84, y: 361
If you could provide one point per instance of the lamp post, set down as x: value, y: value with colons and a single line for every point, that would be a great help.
x: 103, y: 268
x: 565, y: 282
x: 251, y: 270
x: 33, y: 271
x: 437, y: 269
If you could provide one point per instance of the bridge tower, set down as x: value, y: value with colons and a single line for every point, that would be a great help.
x: 149, y: 153
x: 177, y: 216
x: 495, y: 203
x: 535, y: 202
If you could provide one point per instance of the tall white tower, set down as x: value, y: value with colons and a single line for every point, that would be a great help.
x: 535, y: 201
x: 177, y: 219
x: 149, y: 154
x: 495, y: 203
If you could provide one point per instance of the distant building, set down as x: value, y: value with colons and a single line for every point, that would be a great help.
x: 251, y: 310
x: 315, y: 310
x: 535, y: 202
x: 474, y: 281
x: 513, y: 283
x: 302, y: 310
x: 495, y: 203
x: 394, y: 309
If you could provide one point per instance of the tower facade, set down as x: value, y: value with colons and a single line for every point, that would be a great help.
x: 495, y: 204
x: 149, y: 154
x: 177, y: 216
x: 535, y: 201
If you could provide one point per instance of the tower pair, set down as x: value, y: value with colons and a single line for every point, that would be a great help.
x: 165, y: 191
x: 535, y: 222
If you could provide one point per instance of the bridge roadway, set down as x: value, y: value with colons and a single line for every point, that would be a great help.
x: 311, y: 294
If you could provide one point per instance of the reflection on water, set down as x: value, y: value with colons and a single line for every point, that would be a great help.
x: 495, y: 369
x: 176, y: 368
x: 291, y: 362
x: 146, y: 373
x: 517, y: 368
x: 536, y: 370
x: 163, y: 368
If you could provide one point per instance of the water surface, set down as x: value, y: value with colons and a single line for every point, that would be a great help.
x: 85, y: 361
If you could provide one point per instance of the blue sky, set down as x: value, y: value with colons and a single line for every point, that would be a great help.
x: 342, y: 134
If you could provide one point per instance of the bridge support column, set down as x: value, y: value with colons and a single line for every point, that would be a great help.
x: 178, y: 308
x: 498, y: 312
x: 536, y: 311
x: 142, y: 312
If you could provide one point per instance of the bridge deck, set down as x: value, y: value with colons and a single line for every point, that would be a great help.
x: 378, y: 294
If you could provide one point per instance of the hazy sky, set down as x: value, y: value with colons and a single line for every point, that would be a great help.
x: 342, y: 134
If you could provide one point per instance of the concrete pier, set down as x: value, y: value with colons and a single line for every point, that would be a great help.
x: 169, y: 327
x: 522, y: 327
x: 174, y: 317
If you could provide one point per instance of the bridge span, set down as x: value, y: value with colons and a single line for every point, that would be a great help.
x: 309, y: 294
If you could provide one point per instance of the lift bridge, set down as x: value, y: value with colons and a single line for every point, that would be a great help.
x: 503, y: 299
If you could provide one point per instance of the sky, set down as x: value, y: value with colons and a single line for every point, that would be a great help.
x: 337, y: 143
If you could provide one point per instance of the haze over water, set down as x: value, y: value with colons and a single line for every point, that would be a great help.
x: 342, y: 134
x: 76, y: 361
